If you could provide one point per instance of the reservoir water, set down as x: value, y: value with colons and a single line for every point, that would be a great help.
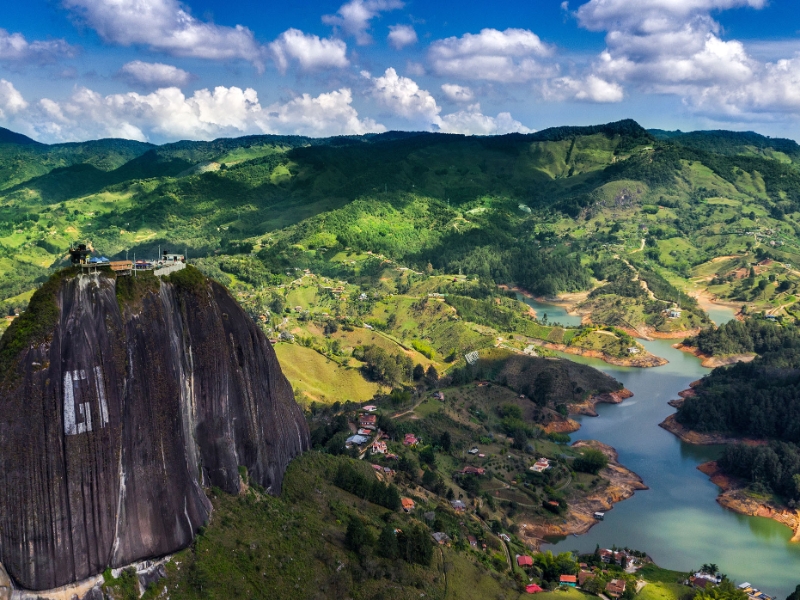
x: 556, y: 313
x: 678, y: 521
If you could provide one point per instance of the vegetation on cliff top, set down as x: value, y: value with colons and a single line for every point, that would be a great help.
x: 33, y: 326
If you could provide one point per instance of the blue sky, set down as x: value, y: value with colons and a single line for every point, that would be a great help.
x: 163, y: 70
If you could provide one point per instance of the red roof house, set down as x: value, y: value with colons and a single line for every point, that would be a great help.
x: 523, y: 560
x: 367, y: 420
x: 532, y: 588
x: 470, y: 470
x: 615, y: 587
x: 570, y: 580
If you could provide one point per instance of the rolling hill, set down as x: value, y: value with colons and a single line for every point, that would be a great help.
x: 545, y: 211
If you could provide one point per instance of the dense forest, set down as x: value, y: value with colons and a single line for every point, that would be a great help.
x: 774, y: 468
x: 760, y: 399
x: 751, y: 335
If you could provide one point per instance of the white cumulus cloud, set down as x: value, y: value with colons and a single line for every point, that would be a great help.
x: 473, y: 122
x: 154, y: 75
x: 649, y: 16
x: 590, y: 89
x: 513, y: 55
x: 677, y: 47
x: 353, y: 18
x: 167, y: 114
x: 773, y: 93
x: 309, y: 51
x: 324, y: 115
x: 15, y: 48
x: 166, y: 26
x: 404, y: 98
x: 11, y: 101
x: 401, y: 36
x: 458, y: 93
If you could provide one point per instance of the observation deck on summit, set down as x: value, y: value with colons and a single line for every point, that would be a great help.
x: 167, y: 263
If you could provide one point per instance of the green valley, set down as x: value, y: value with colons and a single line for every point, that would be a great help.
x: 396, y: 276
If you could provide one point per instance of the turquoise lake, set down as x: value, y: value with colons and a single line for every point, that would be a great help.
x: 678, y: 521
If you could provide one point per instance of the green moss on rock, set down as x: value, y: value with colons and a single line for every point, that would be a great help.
x: 36, y: 324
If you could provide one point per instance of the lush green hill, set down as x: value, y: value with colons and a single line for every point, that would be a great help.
x: 536, y: 210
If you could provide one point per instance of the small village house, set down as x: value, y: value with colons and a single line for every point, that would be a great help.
x: 523, y: 560
x: 584, y: 576
x: 540, y: 465
x: 367, y: 421
x: 410, y: 440
x: 441, y: 538
x: 615, y: 588
x: 470, y: 470
x: 569, y: 580
x: 407, y: 504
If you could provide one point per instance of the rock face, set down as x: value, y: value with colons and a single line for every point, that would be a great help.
x: 5, y: 585
x: 120, y: 399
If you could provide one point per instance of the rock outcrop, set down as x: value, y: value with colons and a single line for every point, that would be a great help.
x: 120, y: 400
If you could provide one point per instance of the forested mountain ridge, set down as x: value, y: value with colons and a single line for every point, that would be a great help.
x: 543, y: 210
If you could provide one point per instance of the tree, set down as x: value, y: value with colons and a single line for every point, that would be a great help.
x: 416, y: 545
x: 593, y: 585
x: 590, y: 461
x: 419, y: 372
x: 398, y: 396
x: 428, y: 456
x: 335, y: 445
x: 542, y: 388
x: 277, y: 304
x: 357, y: 535
x: 724, y: 591
x: 432, y: 375
x: 387, y: 543
x: 445, y: 442
x: 795, y: 595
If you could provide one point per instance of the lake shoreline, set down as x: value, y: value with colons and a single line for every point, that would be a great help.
x: 710, y: 361
x: 734, y: 497
x: 622, y: 484
x: 697, y: 438
x: 640, y: 361
x: 589, y: 406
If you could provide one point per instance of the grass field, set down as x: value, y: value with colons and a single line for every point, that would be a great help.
x: 655, y: 574
x: 320, y: 379
x: 468, y: 580
x: 562, y: 594
x: 663, y: 591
